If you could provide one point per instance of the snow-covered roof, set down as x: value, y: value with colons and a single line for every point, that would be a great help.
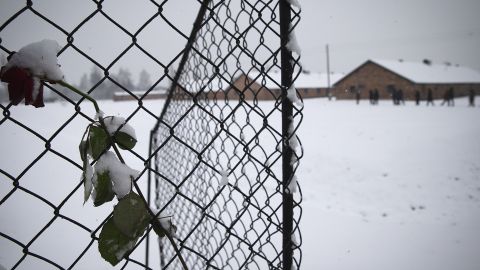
x: 420, y: 72
x: 271, y: 80
x: 304, y: 79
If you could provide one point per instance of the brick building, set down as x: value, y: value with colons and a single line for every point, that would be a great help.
x: 155, y: 94
x: 385, y: 76
x: 266, y: 87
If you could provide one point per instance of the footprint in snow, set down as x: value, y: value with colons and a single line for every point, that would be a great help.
x: 419, y: 207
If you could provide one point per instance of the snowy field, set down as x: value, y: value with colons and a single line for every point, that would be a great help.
x: 385, y: 187
x: 389, y: 187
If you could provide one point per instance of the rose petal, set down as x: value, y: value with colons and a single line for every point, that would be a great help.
x: 15, y: 93
x: 38, y: 102
x: 20, y: 86
x: 19, y: 82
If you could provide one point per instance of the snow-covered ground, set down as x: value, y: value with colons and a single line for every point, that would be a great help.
x: 385, y: 187
x: 390, y: 187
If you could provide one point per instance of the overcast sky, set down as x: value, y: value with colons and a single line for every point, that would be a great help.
x: 356, y: 30
x: 441, y: 30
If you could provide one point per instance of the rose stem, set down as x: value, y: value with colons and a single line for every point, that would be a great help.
x: 154, y: 220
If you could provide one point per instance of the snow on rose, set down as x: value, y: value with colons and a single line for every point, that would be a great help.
x: 27, y: 69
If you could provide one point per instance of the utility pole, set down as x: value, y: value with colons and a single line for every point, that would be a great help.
x: 329, y: 94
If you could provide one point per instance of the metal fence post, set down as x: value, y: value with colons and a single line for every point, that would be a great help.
x: 287, y: 114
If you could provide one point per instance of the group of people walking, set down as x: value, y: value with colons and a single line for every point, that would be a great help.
x: 429, y: 97
x: 448, y: 98
x: 399, y: 99
x: 374, y: 96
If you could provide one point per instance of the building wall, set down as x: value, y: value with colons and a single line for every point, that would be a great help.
x: 312, y: 92
x: 254, y: 90
x: 371, y: 76
x: 126, y: 97
x: 259, y: 92
x: 241, y: 85
x: 251, y: 90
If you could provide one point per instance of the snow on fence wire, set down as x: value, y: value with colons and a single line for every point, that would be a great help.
x: 222, y: 155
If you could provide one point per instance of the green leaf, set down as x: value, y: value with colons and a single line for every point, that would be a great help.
x: 87, y: 181
x: 82, y: 147
x: 159, y: 231
x: 98, y: 140
x: 130, y: 215
x: 103, y: 189
x: 113, y: 244
x: 124, y: 140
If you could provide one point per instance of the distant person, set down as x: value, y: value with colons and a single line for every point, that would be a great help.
x: 471, y: 98
x: 417, y: 97
x: 357, y: 96
x: 370, y: 97
x: 394, y: 96
x: 400, y: 98
x: 446, y: 97
x: 451, y: 97
x: 376, y: 96
x: 430, y: 97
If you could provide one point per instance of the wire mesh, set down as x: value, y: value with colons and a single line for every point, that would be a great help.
x: 220, y: 148
x: 220, y: 152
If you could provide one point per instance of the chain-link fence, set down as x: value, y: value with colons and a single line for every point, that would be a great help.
x: 222, y: 154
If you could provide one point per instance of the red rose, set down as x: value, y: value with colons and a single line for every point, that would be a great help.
x: 22, y: 85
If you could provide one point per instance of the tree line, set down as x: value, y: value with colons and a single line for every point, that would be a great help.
x: 104, y: 89
x: 108, y: 87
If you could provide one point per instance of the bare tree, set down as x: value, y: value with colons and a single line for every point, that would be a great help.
x: 84, y: 83
x: 124, y: 78
x: 144, y: 81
